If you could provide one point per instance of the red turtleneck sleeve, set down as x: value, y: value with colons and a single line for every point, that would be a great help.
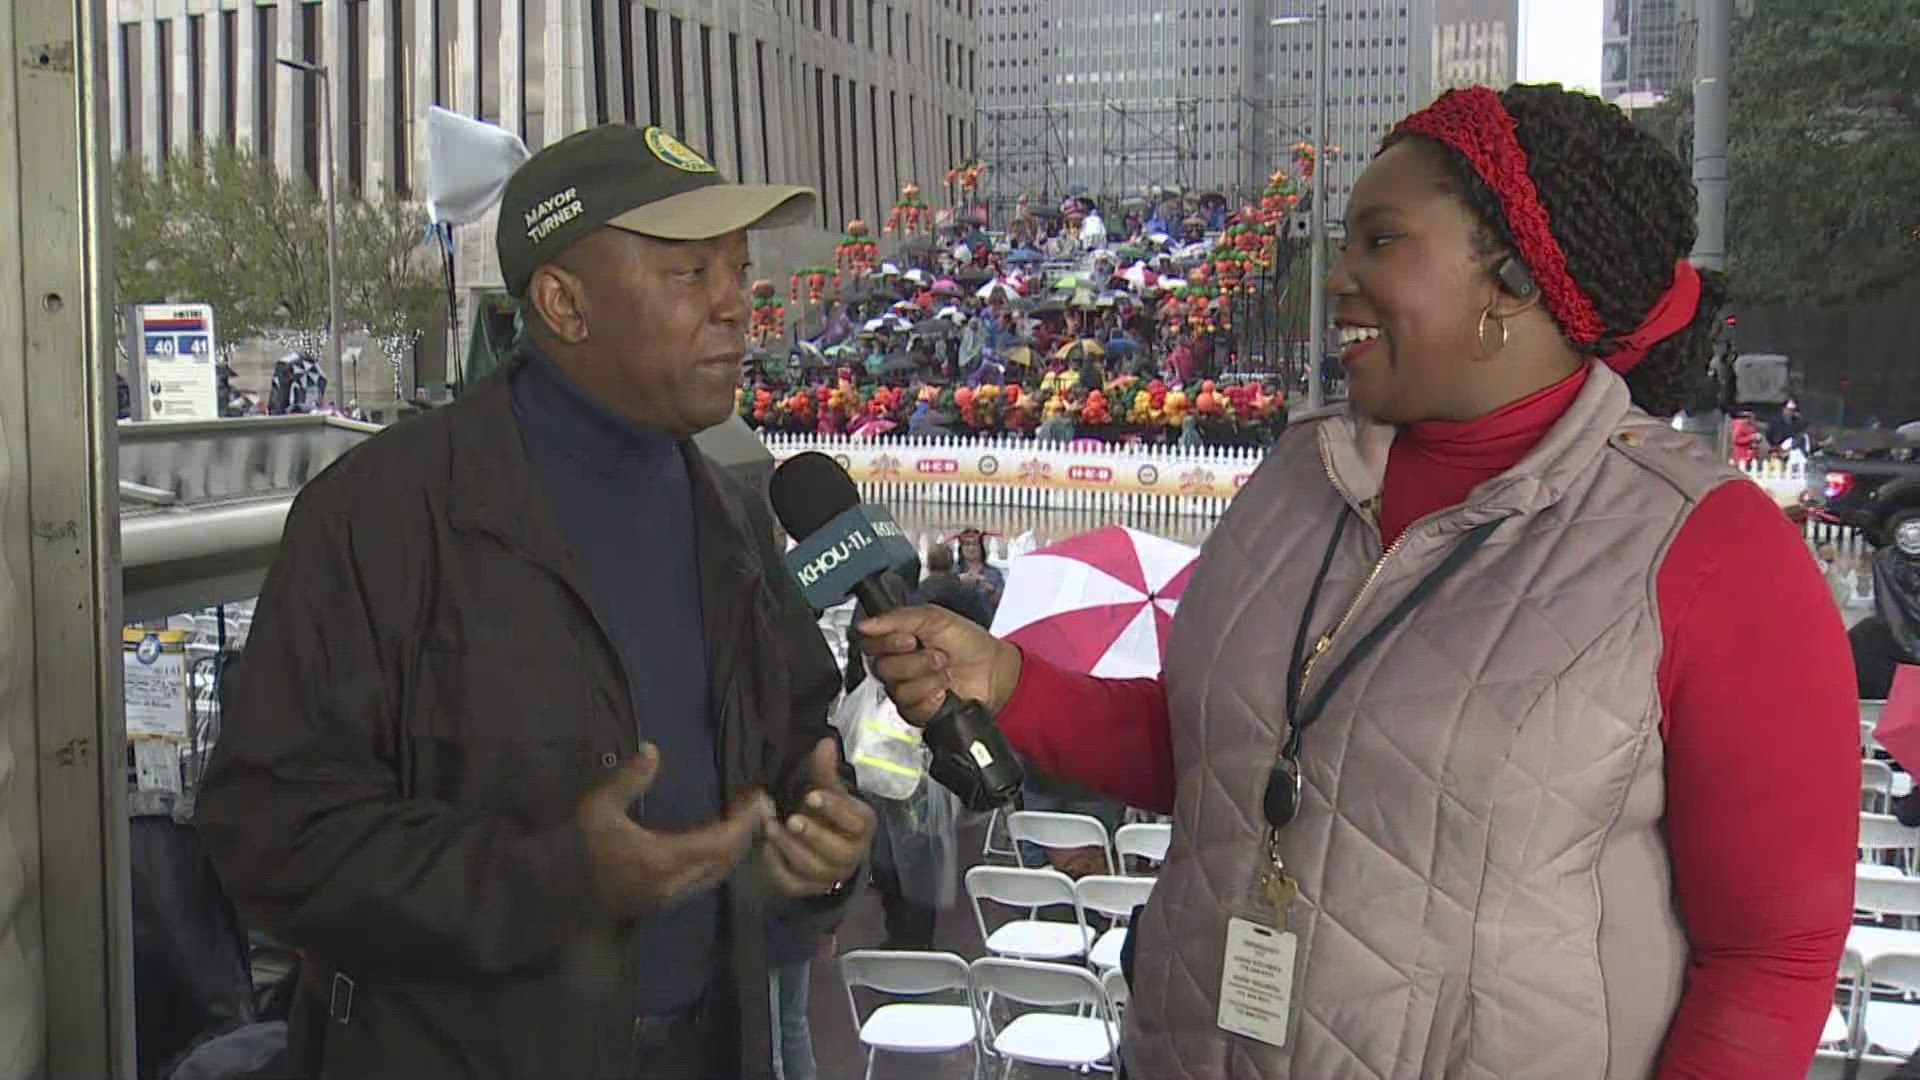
x: 1110, y: 736
x: 1763, y: 763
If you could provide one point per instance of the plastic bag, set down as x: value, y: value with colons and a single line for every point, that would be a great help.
x: 925, y: 850
x: 889, y: 759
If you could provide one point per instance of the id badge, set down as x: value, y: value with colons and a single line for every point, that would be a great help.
x: 1256, y: 981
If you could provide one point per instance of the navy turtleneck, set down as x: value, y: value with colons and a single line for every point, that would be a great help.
x: 624, y: 503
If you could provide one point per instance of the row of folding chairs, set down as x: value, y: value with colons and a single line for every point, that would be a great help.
x: 1884, y: 841
x: 1880, y: 968
x: 1088, y: 1037
x: 1145, y: 841
x: 1869, y: 719
x: 1026, y: 936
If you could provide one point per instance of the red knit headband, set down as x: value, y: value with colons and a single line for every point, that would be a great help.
x: 1476, y: 124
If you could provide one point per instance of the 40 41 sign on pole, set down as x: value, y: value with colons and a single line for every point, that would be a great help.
x: 175, y: 375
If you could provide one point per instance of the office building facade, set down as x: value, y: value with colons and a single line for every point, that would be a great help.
x: 851, y: 97
x: 1386, y: 60
x: 1117, y: 96
x: 1647, y: 48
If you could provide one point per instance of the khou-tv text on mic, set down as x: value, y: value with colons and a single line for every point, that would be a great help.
x: 847, y: 548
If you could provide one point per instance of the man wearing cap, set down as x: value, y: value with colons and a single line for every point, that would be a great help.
x: 528, y: 749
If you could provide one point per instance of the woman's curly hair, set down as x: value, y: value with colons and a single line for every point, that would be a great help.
x: 1622, y: 207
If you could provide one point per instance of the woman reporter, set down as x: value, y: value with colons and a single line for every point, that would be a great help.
x: 1462, y: 694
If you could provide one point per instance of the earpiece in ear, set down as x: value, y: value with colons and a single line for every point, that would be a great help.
x: 1516, y: 278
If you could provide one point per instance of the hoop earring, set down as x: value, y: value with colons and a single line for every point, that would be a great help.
x: 1480, y: 333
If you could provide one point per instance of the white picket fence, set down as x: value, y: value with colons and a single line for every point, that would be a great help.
x: 1784, y: 480
x: 1121, y: 483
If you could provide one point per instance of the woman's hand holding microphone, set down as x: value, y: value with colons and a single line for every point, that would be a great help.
x: 921, y: 653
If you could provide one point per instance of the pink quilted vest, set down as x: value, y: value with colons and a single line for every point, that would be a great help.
x: 1485, y: 891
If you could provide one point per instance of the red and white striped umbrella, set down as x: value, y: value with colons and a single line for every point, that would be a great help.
x: 1100, y: 603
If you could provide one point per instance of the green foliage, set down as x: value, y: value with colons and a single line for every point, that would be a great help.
x: 218, y: 226
x: 1824, y: 150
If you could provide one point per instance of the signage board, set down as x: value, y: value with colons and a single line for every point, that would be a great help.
x: 175, y: 372
x: 154, y: 679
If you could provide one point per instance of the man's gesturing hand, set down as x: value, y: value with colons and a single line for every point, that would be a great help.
x: 636, y: 867
x: 816, y: 849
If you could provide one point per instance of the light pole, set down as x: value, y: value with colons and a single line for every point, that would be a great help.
x: 319, y: 71
x: 1316, y: 209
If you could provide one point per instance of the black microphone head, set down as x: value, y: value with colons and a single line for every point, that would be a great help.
x: 809, y: 490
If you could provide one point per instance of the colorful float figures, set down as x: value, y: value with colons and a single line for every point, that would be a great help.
x: 1303, y: 158
x: 817, y: 281
x: 858, y: 253
x: 964, y: 179
x: 1249, y: 238
x: 910, y: 214
x: 1281, y: 196
x: 769, y: 314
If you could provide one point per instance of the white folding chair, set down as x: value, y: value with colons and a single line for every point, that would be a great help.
x: 911, y: 1027
x: 997, y: 828
x: 1119, y: 994
x: 1046, y: 1038
x: 1833, y: 1065
x: 1876, y: 786
x: 1115, y: 897
x: 1882, y: 834
x: 1044, y: 828
x: 1834, y: 1032
x: 1892, y: 1027
x: 1882, y: 892
x: 1029, y: 938
x: 1870, y: 711
x: 1144, y: 841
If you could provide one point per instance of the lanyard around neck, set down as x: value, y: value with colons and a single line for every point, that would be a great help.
x: 1283, y: 804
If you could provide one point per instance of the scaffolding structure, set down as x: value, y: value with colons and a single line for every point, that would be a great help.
x: 1145, y: 145
x: 1025, y: 148
x: 1044, y: 152
x: 1267, y: 133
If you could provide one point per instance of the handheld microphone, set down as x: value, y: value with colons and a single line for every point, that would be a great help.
x: 849, y: 548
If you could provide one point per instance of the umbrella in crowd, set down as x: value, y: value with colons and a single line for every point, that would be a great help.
x: 936, y: 327
x: 1100, y: 603
x: 1082, y: 348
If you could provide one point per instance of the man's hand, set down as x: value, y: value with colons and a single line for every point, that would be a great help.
x: 921, y: 653
x: 636, y: 867
x: 814, y: 851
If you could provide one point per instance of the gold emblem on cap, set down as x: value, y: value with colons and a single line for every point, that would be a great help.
x: 674, y: 152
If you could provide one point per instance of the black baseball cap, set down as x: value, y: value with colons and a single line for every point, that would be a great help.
x: 643, y: 180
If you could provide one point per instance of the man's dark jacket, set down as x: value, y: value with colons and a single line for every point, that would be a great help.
x: 425, y: 693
